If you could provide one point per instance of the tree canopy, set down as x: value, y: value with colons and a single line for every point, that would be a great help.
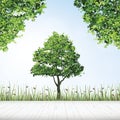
x: 13, y: 14
x: 57, y: 59
x: 103, y: 18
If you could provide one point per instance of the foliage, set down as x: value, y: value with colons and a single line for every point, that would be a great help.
x: 103, y: 18
x: 13, y: 14
x: 57, y: 59
x: 28, y: 93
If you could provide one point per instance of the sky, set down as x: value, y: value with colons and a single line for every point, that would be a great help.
x: 101, y: 65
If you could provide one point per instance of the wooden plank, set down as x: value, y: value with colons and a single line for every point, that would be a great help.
x: 60, y: 110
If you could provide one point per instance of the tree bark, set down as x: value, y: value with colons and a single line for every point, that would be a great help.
x: 58, y: 89
x: 58, y: 92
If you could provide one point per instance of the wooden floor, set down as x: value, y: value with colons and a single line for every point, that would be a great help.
x: 60, y: 110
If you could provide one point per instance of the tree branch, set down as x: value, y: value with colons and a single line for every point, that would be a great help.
x: 62, y: 80
x: 55, y: 81
x: 58, y: 79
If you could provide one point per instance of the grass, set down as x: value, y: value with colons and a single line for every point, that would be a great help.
x: 75, y: 94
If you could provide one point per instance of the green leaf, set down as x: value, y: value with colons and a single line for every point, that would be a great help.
x: 103, y: 19
x: 13, y: 14
x: 56, y: 58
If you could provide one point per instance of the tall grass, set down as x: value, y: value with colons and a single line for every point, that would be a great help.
x: 46, y: 94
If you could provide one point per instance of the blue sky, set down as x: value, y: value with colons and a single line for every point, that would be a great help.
x: 101, y: 64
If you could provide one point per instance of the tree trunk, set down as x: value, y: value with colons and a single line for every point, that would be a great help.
x: 58, y: 92
x: 57, y: 83
x: 58, y: 88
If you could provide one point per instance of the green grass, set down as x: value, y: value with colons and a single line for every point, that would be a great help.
x: 46, y: 94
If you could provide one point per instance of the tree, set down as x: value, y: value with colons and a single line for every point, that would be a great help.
x: 13, y: 14
x: 57, y: 59
x: 103, y: 18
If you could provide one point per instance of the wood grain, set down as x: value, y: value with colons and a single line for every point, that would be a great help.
x: 60, y: 110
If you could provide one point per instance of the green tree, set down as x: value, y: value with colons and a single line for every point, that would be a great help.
x: 57, y: 59
x: 13, y: 14
x: 103, y: 18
